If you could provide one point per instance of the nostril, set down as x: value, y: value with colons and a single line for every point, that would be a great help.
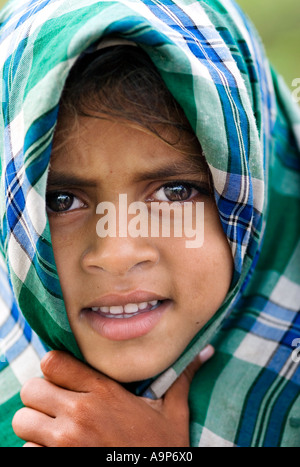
x: 119, y: 256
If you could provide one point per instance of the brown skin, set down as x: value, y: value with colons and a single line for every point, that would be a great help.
x: 76, y: 406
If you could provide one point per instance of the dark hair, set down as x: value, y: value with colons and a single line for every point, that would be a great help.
x: 122, y: 82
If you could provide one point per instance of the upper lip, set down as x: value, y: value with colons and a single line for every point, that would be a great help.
x: 137, y: 296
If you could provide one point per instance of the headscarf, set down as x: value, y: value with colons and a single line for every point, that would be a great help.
x: 213, y: 63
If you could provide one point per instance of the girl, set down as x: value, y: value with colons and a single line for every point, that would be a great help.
x: 185, y: 110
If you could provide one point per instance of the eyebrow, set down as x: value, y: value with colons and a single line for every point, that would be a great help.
x: 191, y: 166
x: 68, y: 180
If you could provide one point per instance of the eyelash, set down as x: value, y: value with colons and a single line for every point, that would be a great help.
x: 201, y: 188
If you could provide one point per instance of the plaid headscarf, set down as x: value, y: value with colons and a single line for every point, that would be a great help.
x: 213, y: 63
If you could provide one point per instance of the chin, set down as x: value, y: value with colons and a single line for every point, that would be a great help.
x: 130, y: 374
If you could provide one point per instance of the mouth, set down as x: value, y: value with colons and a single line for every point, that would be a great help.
x: 125, y: 321
x: 128, y: 311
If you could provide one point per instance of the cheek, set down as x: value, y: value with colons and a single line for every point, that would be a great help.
x: 216, y: 248
x: 62, y: 244
x: 202, y: 275
x: 66, y: 248
x: 69, y: 235
x: 209, y: 270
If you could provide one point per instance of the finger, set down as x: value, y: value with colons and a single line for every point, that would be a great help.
x: 32, y: 445
x: 66, y: 371
x: 33, y: 426
x: 43, y: 396
x: 176, y: 399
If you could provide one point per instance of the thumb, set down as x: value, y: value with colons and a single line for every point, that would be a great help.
x: 176, y: 399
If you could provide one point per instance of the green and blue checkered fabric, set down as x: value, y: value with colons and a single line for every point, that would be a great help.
x: 213, y: 63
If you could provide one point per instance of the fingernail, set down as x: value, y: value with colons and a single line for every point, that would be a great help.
x: 206, y: 353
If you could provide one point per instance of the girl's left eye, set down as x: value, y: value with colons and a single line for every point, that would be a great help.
x: 62, y: 202
x: 177, y: 191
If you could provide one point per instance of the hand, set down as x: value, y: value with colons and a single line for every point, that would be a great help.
x: 78, y: 406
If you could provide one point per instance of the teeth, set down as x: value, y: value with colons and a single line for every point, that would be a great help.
x: 103, y: 309
x: 128, y: 309
x: 116, y: 310
x: 131, y: 308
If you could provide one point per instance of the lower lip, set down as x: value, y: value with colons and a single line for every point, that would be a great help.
x: 119, y: 329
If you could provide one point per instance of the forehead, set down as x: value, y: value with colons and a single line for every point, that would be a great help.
x: 95, y: 144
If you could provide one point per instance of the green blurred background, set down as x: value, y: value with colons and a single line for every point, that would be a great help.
x: 278, y: 22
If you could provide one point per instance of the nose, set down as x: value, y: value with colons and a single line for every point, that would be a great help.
x: 118, y: 256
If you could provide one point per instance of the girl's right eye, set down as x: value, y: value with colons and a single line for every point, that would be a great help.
x: 60, y: 202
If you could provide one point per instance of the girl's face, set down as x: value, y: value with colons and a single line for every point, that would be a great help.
x: 134, y: 303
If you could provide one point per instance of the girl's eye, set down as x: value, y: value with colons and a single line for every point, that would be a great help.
x: 62, y: 202
x: 177, y: 191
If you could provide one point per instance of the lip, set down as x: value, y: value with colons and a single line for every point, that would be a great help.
x: 137, y: 296
x: 127, y: 328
